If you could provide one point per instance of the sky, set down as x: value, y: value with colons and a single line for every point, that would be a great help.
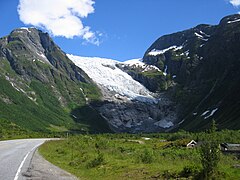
x: 115, y: 29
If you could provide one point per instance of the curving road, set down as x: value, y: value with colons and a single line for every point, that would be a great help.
x: 15, y: 157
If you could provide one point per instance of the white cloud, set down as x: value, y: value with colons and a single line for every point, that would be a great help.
x: 59, y: 17
x: 235, y: 3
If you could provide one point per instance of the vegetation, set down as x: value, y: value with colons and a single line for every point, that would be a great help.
x: 9, y: 130
x: 42, y: 97
x: 139, y: 156
x: 46, y: 113
x: 210, y: 153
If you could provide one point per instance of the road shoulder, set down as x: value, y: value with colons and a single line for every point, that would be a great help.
x: 41, y: 169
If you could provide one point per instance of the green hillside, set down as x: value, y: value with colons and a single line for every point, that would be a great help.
x: 41, y: 88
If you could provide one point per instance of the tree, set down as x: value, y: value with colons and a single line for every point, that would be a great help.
x: 210, y: 153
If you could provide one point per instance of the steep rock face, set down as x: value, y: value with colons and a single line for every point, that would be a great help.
x: 178, y: 53
x: 40, y: 87
x: 203, y: 62
x: 126, y: 104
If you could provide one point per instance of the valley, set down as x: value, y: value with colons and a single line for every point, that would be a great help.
x: 122, y: 120
x: 139, y: 156
x: 119, y: 90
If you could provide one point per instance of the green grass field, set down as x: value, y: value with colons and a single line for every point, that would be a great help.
x: 126, y: 156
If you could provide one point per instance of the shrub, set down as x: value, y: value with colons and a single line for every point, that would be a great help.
x: 146, y: 157
x: 99, y: 160
x: 101, y: 143
x: 189, y: 171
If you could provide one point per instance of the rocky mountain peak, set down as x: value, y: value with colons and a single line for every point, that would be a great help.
x: 230, y: 19
x: 32, y: 53
x: 28, y: 40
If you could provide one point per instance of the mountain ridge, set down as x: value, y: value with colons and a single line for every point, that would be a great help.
x: 205, y: 72
x: 184, y: 80
x: 40, y: 85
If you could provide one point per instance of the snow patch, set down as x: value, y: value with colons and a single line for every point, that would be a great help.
x: 205, y: 34
x: 86, y: 99
x: 42, y: 57
x: 155, y: 52
x: 212, y: 113
x: 203, y: 114
x: 25, y: 28
x: 140, y: 64
x: 207, y: 115
x: 181, y: 122
x: 165, y: 70
x: 13, y: 84
x: 195, y: 113
x: 186, y: 52
x: 134, y: 62
x: 201, y: 36
x: 198, y: 35
x: 234, y: 21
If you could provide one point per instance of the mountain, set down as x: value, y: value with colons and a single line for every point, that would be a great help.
x: 126, y: 104
x: 184, y: 80
x: 41, y: 89
x: 203, y: 64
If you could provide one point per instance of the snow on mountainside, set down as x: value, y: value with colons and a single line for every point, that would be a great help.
x: 138, y: 63
x: 106, y: 74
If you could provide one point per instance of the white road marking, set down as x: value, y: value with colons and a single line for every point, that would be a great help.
x: 24, y: 159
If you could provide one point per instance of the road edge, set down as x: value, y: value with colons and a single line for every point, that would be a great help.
x: 39, y: 167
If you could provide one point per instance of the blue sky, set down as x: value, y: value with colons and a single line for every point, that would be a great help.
x: 116, y: 29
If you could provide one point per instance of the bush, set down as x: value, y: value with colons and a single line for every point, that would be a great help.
x: 189, y: 171
x: 99, y: 160
x: 146, y: 157
x: 101, y: 143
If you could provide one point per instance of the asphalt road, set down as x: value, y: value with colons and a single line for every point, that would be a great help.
x: 15, y: 157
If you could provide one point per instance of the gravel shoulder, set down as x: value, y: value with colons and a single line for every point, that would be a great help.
x: 41, y: 169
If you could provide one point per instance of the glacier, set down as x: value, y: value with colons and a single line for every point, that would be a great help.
x: 106, y: 74
x: 126, y: 104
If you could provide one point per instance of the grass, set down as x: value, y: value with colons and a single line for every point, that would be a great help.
x: 47, y: 113
x: 10, y: 130
x: 124, y: 156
